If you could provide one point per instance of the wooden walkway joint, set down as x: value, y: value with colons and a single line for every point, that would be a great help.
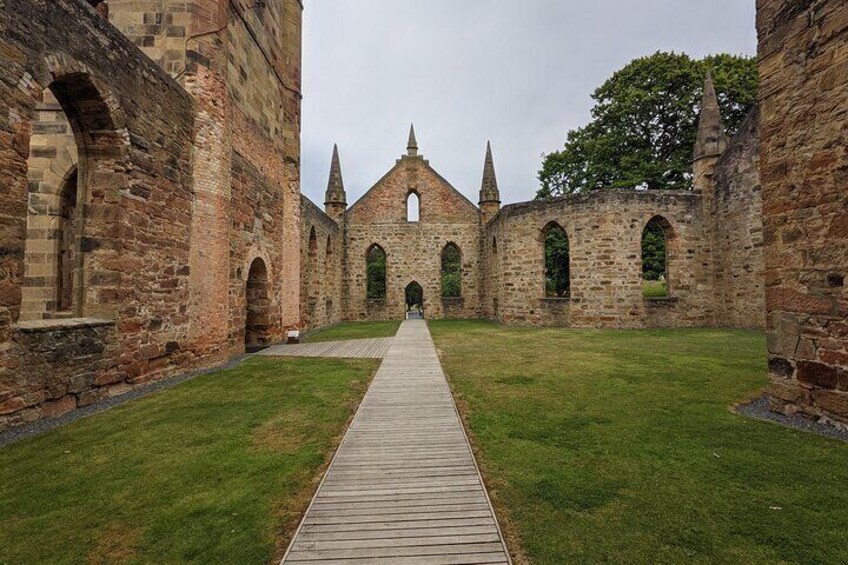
x: 403, y: 487
x: 376, y: 348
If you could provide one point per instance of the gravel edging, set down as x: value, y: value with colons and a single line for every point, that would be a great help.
x: 39, y: 427
x: 759, y: 410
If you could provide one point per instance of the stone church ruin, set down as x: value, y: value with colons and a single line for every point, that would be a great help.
x: 152, y: 220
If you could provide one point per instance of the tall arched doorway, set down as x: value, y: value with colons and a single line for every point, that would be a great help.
x: 258, y: 306
x: 414, y: 301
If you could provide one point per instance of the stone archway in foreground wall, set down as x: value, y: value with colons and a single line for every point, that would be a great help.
x: 257, y: 306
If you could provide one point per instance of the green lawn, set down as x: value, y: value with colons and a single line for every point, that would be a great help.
x: 619, y: 447
x: 354, y: 330
x: 216, y: 470
x: 654, y: 289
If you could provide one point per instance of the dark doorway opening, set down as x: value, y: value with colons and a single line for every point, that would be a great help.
x: 414, y: 301
x: 258, y: 304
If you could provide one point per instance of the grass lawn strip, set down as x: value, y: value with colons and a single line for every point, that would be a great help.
x: 354, y: 330
x: 218, y: 469
x: 620, y: 446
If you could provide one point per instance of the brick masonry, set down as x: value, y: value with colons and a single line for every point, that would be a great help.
x: 803, y: 57
x: 188, y: 176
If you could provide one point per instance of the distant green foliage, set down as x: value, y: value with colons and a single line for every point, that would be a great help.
x: 654, y: 289
x: 451, y: 272
x: 414, y: 296
x: 654, y: 253
x: 376, y: 268
x: 557, y: 264
x: 645, y: 122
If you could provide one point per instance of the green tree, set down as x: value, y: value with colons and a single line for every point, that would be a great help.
x: 376, y: 271
x: 414, y: 296
x: 451, y: 272
x: 654, y: 262
x: 557, y: 264
x: 644, y: 124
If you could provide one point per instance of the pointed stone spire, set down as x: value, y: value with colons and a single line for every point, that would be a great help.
x: 412, y: 146
x: 712, y: 139
x: 490, y: 196
x: 335, y: 200
x: 489, y: 189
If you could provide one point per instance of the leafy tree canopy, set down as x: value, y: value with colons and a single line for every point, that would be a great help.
x: 644, y: 124
x: 376, y: 271
x: 654, y: 262
x: 557, y: 264
x: 451, y: 272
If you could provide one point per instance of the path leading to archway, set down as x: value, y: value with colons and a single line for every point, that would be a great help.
x: 403, y: 487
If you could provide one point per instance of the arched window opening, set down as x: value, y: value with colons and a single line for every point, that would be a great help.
x: 655, y: 247
x: 376, y: 273
x: 66, y: 237
x: 53, y: 174
x: 414, y: 300
x: 328, y: 262
x: 451, y: 271
x: 313, y: 276
x: 557, y: 261
x: 258, y: 307
x: 74, y: 139
x: 413, y: 207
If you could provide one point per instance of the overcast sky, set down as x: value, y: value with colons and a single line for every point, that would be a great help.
x: 517, y: 72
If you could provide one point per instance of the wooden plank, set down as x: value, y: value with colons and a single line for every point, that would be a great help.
x: 403, y: 487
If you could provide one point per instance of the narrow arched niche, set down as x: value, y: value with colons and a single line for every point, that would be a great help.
x: 413, y: 207
x: 556, y: 258
x: 257, y: 306
x: 375, y: 273
x: 656, y: 243
x: 451, y: 271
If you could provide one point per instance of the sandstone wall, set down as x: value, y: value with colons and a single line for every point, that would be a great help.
x: 803, y: 53
x: 737, y: 226
x: 186, y: 188
x: 135, y: 131
x: 321, y: 273
x: 241, y: 62
x: 413, y: 249
x: 604, y: 230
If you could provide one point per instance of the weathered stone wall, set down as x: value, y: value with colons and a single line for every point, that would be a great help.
x: 184, y: 191
x: 605, y: 232
x: 413, y: 249
x: 803, y: 57
x: 737, y: 227
x: 134, y: 126
x: 322, y: 253
x: 56, y: 367
x: 241, y: 62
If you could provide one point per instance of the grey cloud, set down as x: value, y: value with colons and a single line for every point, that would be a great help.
x: 518, y: 73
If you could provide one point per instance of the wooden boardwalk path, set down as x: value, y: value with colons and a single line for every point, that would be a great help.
x: 403, y: 487
x: 353, y: 349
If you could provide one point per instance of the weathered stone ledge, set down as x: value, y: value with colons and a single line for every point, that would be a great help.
x: 69, y: 324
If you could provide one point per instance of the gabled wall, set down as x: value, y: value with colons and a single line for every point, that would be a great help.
x: 413, y: 249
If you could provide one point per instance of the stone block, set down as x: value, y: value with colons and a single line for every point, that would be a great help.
x: 55, y: 408
x: 817, y: 374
